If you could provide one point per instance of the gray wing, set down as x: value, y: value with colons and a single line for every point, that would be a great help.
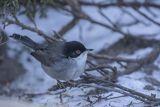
x: 52, y: 53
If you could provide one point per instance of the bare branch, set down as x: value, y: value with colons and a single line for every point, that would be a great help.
x: 118, y: 91
x: 148, y: 59
x: 147, y: 17
x: 68, y: 26
x: 122, y: 87
x: 112, y: 58
x: 99, y: 67
x: 36, y: 30
x: 122, y: 4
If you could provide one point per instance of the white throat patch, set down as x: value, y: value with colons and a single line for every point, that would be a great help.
x: 81, y: 59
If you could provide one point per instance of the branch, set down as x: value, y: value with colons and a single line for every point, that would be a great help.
x: 147, y: 17
x: 98, y: 56
x: 36, y: 30
x: 107, y: 18
x: 148, y: 59
x: 122, y: 4
x: 94, y: 78
x: 68, y: 26
x: 100, y: 83
x: 116, y: 90
x: 99, y: 67
x: 3, y: 38
x: 114, y: 29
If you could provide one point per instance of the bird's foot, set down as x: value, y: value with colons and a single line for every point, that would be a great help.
x: 69, y: 83
x: 60, y: 84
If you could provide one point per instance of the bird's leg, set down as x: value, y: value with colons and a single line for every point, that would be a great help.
x: 60, y: 84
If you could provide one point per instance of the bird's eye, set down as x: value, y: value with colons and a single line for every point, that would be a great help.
x: 78, y: 52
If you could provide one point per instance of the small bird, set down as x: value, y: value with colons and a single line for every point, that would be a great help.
x: 61, y: 60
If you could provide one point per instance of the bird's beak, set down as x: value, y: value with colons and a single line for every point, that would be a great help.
x: 89, y: 49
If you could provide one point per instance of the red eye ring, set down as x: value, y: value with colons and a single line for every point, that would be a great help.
x: 78, y: 51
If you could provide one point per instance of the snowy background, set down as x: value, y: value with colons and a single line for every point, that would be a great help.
x: 93, y: 36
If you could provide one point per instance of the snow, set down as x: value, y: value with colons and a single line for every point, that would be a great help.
x: 93, y: 36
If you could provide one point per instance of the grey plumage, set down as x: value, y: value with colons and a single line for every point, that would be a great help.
x: 47, y: 53
x: 25, y: 40
x: 59, y: 59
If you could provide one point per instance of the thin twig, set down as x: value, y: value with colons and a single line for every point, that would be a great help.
x: 99, y: 67
x: 116, y: 90
x: 68, y: 26
x: 123, y: 88
x: 147, y: 17
x: 39, y: 32
x: 101, y: 56
x: 122, y: 4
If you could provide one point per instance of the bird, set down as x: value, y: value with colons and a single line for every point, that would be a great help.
x: 61, y: 60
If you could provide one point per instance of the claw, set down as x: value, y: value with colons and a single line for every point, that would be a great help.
x: 60, y: 84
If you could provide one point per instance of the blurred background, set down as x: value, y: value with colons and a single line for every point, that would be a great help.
x: 125, y: 36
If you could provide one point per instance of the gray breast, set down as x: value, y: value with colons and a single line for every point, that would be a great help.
x: 62, y: 70
x: 67, y: 68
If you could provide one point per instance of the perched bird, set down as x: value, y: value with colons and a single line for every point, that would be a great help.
x: 61, y: 60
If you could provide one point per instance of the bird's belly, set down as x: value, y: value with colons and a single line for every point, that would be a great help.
x: 64, y: 72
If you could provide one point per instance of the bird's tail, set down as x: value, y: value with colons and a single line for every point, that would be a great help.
x: 25, y: 40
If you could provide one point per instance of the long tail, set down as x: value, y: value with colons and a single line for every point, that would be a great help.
x: 25, y: 40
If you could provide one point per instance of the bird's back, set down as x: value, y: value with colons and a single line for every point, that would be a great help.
x: 50, y: 54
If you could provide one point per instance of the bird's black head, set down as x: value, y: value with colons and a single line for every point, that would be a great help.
x: 73, y: 49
